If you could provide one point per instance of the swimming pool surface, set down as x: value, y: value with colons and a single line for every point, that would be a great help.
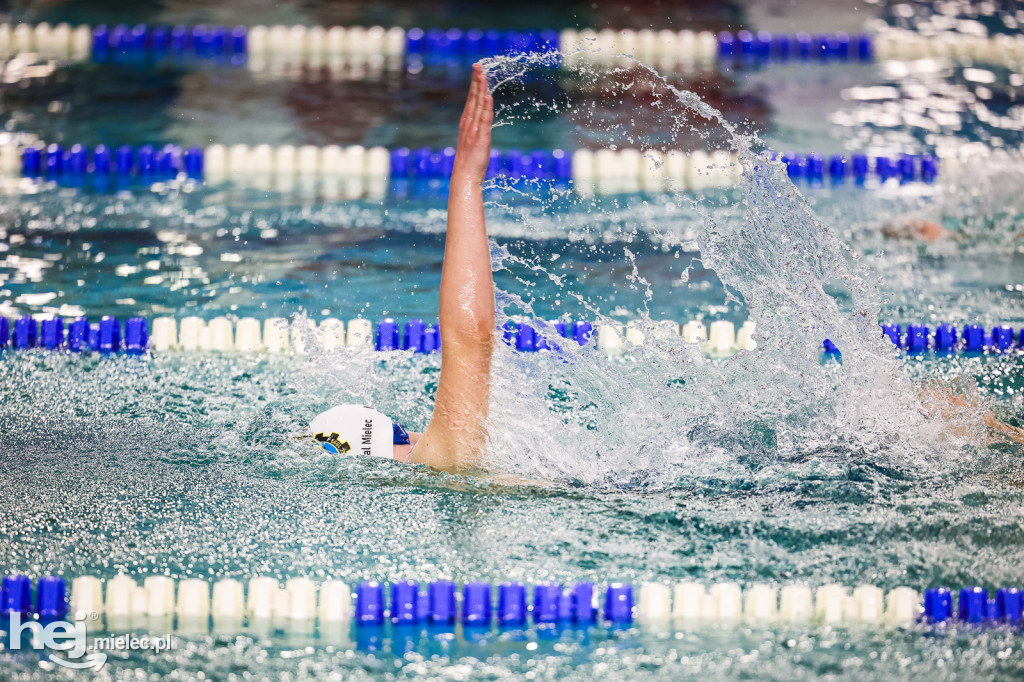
x: 772, y: 466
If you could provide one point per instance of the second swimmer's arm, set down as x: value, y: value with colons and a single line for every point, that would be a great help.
x: 456, y: 436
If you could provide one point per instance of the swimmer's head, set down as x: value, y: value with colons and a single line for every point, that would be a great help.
x: 358, y: 430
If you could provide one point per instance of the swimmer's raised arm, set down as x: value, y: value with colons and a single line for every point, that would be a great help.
x: 456, y: 436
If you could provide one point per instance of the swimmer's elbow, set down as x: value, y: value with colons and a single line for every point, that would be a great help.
x: 476, y: 334
x: 481, y: 333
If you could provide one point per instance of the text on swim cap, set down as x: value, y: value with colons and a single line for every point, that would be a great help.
x: 367, y: 434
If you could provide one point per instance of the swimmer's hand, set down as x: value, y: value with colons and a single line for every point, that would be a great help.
x: 473, y: 152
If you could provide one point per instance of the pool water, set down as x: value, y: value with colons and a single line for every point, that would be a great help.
x: 771, y: 466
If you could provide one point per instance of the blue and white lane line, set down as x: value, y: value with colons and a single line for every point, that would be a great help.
x: 284, y: 168
x: 278, y: 335
x: 301, y: 601
x: 322, y: 44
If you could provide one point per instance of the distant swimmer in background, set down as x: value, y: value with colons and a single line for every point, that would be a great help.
x: 910, y: 227
x: 456, y: 437
x: 959, y: 407
x: 913, y: 228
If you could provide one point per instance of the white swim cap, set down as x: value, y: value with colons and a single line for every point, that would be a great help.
x: 354, y: 430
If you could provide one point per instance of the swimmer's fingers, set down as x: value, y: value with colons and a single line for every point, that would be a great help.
x: 485, y: 111
x: 467, y: 111
x: 479, y: 93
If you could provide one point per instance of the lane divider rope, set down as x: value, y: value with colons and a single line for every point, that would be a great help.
x: 354, y: 171
x: 277, y: 335
x: 301, y: 602
x: 316, y: 44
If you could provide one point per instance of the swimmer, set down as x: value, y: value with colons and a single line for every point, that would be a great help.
x: 455, y: 438
x: 913, y: 228
x: 958, y: 407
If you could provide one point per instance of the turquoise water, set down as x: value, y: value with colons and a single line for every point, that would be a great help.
x: 767, y: 467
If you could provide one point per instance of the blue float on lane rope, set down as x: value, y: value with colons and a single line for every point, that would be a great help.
x: 51, y: 598
x: 618, y: 603
x: 1009, y: 604
x: 1002, y: 338
x: 583, y: 609
x: 405, y: 602
x: 101, y: 160
x: 917, y: 338
x: 194, y: 163
x: 52, y: 333
x: 431, y: 339
x: 125, y: 160
x: 547, y: 603
x: 476, y: 603
x: 938, y: 604
x: 54, y: 160
x: 582, y: 331
x: 16, y: 595
x: 387, y: 335
x: 78, y: 335
x: 945, y: 337
x: 370, y: 603
x: 511, y: 604
x: 109, y: 336
x: 441, y: 597
x: 894, y: 333
x: 25, y: 332
x: 78, y: 160
x: 972, y: 604
x: 136, y: 335
x: 412, y: 336
x: 974, y: 338
x: 526, y: 338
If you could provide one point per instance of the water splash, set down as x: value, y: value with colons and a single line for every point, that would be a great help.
x: 669, y: 412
